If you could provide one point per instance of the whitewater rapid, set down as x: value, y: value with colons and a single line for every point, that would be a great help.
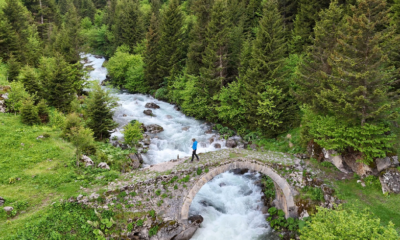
x: 230, y: 204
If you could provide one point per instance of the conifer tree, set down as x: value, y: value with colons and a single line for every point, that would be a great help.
x: 43, y: 111
x: 252, y: 16
x: 202, y: 10
x: 358, y: 89
x: 288, y: 9
x: 29, y: 113
x: 129, y: 25
x: 9, y: 39
x: 268, y: 54
x: 100, y: 105
x: 150, y: 55
x: 30, y: 79
x: 304, y: 23
x: 215, y: 58
x: 45, y: 13
x: 85, y: 8
x: 60, y: 81
x: 171, y: 53
x: 13, y: 69
x: 315, y: 68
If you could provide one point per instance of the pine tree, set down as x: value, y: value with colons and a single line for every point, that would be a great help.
x: 8, y: 39
x: 59, y: 80
x: 288, y: 9
x: 13, y: 69
x: 268, y: 52
x: 304, y: 23
x: 358, y: 89
x: 215, y: 58
x: 86, y: 8
x: 202, y: 9
x: 30, y: 79
x: 150, y: 55
x: 253, y: 13
x: 129, y: 25
x: 100, y: 112
x: 171, y: 54
x: 29, y: 113
x: 44, y: 12
x: 315, y: 68
x: 43, y: 111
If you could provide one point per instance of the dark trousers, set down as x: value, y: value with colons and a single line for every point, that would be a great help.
x: 194, y: 154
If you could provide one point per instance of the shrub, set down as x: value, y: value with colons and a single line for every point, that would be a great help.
x: 341, y: 224
x: 29, y: 113
x: 72, y: 121
x: 16, y: 96
x: 43, y: 111
x: 133, y: 133
x: 57, y: 119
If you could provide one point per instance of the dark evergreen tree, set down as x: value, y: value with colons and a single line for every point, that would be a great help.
x: 86, y: 8
x: 171, y: 54
x: 60, y: 81
x: 43, y: 111
x: 100, y: 105
x: 13, y: 69
x: 215, y: 58
x: 150, y: 55
x: 8, y: 39
x: 129, y: 25
x: 30, y: 79
x: 304, y: 23
x: 315, y: 68
x: 252, y: 16
x: 29, y: 113
x: 268, y: 53
x: 99, y: 4
x: 202, y: 10
x: 288, y: 9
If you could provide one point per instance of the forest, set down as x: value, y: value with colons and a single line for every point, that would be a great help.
x: 328, y: 70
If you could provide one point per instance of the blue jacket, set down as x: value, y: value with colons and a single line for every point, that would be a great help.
x: 194, y: 145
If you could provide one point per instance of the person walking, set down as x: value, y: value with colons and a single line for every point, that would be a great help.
x: 194, y: 146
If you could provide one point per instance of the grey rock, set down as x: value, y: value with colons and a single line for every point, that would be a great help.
x: 187, y: 234
x: 2, y: 201
x: 154, y: 128
x: 88, y: 162
x: 151, y: 105
x: 94, y: 196
x: 80, y: 196
x: 337, y: 160
x: 8, y: 209
x: 217, y: 145
x: 39, y: 137
x: 136, y: 159
x: 185, y: 128
x: 103, y: 165
x: 387, y: 162
x: 390, y: 181
x: 148, y: 112
x: 253, y: 146
x: 196, y: 219
x: 231, y: 143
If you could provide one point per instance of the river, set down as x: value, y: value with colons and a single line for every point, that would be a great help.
x: 230, y: 204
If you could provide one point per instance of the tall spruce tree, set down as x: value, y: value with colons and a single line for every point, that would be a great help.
x: 304, y: 23
x: 252, y: 15
x: 30, y: 78
x: 288, y: 9
x: 129, y: 25
x: 358, y: 89
x: 100, y: 113
x: 215, y: 58
x: 150, y: 55
x: 202, y: 10
x: 171, y: 53
x: 268, y: 53
x: 315, y: 69
x: 9, y: 39
x: 29, y: 113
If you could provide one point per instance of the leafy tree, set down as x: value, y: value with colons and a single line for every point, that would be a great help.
x: 150, y: 55
x: 81, y: 138
x: 100, y: 105
x: 129, y: 26
x: 133, y: 133
x: 341, y: 224
x: 29, y: 113
x: 171, y: 54
x: 202, y: 10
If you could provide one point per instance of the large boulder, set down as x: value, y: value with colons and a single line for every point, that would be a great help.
x: 231, y: 143
x: 188, y: 233
x: 103, y: 165
x: 152, y: 105
x: 314, y: 150
x: 387, y: 162
x: 217, y: 145
x: 336, y: 159
x: 196, y: 219
x: 353, y: 161
x: 88, y: 162
x: 154, y: 128
x: 8, y: 209
x: 148, y: 112
x: 390, y: 181
x: 136, y: 159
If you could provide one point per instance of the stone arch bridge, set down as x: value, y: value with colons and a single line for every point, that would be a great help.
x: 169, y: 188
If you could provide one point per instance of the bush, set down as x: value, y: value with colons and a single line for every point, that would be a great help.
x: 133, y: 133
x: 16, y: 96
x: 29, y: 113
x: 57, y: 119
x: 332, y: 133
x: 43, y: 111
x: 341, y: 224
x: 72, y: 121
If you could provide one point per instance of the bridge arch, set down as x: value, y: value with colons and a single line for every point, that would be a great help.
x: 283, y: 191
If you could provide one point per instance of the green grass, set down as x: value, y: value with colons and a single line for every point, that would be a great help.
x: 281, y: 143
x: 387, y: 208
x: 35, y: 173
